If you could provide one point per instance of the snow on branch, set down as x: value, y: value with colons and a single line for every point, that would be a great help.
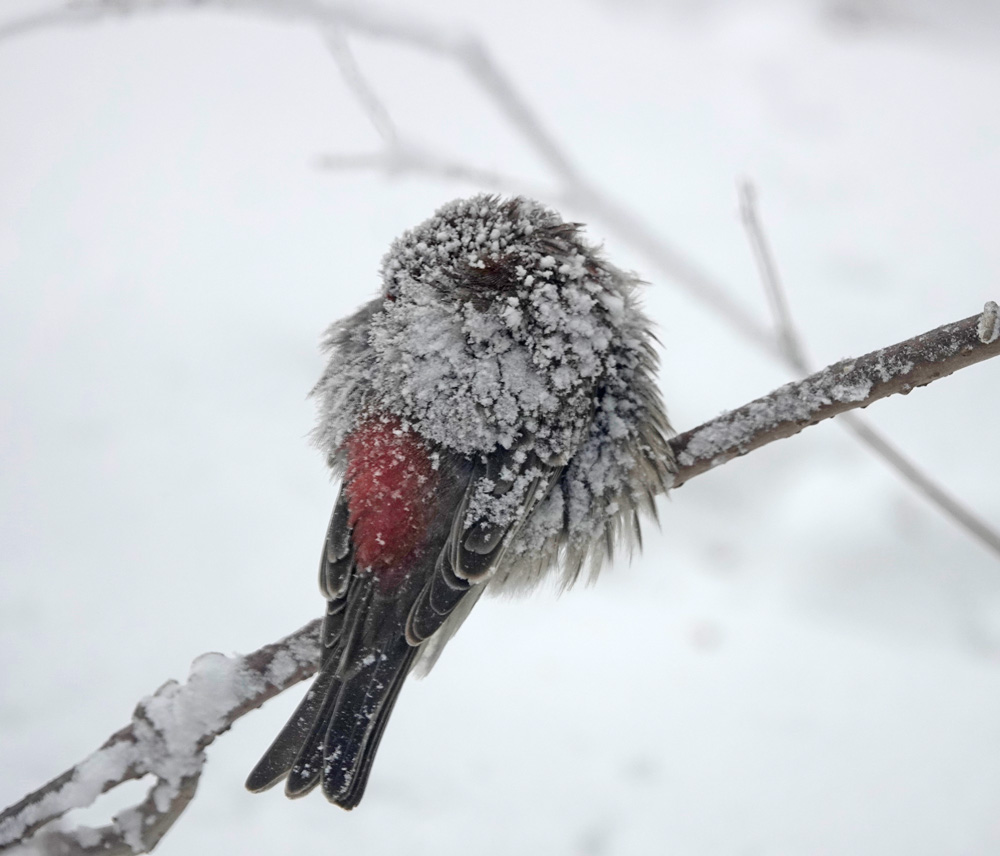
x: 166, y: 739
x: 847, y: 385
x: 171, y: 729
x: 793, y: 348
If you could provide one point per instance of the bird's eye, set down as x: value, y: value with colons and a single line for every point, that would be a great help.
x: 492, y: 274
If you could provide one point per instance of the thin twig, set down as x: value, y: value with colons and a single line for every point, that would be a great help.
x: 786, y: 332
x: 921, y: 482
x: 171, y: 729
x: 407, y: 158
x: 475, y: 56
x: 472, y: 55
x: 352, y: 75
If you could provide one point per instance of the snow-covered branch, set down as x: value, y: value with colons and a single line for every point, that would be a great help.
x: 847, y: 385
x: 793, y: 348
x: 171, y: 729
x: 166, y: 739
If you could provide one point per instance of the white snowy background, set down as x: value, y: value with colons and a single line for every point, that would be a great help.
x: 806, y: 659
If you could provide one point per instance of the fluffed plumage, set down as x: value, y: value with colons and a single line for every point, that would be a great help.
x: 494, y: 416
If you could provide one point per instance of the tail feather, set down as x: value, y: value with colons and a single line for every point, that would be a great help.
x: 335, y: 732
x: 281, y: 755
x: 355, y: 728
x: 367, y: 647
x: 357, y: 789
x: 307, y: 765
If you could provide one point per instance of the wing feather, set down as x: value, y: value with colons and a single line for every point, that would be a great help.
x: 473, y: 551
x: 337, y: 561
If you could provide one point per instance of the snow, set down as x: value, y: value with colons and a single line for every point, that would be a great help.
x: 88, y: 837
x: 989, y: 323
x: 857, y: 391
x: 804, y: 660
x: 129, y: 823
x: 169, y: 730
x: 794, y: 402
x: 81, y: 790
x: 176, y: 717
x: 282, y: 667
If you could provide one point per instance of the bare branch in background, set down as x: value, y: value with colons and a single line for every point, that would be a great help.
x: 472, y: 56
x: 921, y: 482
x: 785, y: 332
x: 401, y: 160
x: 400, y: 157
x: 171, y: 729
x: 367, y: 97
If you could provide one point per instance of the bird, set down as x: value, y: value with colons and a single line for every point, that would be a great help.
x: 495, y: 420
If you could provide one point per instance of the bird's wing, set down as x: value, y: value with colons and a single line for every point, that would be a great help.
x: 475, y: 542
x: 501, y: 491
x: 337, y: 569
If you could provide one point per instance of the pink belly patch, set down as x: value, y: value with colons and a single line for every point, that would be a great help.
x: 390, y: 482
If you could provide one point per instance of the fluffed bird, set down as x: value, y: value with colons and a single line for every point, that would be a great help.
x: 495, y: 419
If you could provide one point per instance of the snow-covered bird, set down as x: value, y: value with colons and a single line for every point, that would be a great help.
x: 495, y: 418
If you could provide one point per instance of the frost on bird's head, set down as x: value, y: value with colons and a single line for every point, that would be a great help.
x: 486, y: 247
x: 498, y: 321
x: 498, y: 327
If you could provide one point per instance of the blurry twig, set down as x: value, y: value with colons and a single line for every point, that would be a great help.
x: 398, y: 156
x: 171, y: 729
x: 367, y: 97
x: 785, y: 332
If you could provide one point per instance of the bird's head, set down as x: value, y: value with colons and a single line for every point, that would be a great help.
x: 498, y: 318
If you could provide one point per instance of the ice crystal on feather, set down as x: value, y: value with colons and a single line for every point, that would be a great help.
x: 499, y: 328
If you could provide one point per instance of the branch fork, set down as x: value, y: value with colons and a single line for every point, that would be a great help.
x: 167, y: 738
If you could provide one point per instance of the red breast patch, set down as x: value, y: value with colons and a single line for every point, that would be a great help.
x: 390, y: 482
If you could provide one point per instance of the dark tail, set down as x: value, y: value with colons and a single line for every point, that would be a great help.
x: 334, y: 733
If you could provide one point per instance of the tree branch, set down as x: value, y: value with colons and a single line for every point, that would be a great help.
x: 794, y: 352
x: 166, y: 738
x: 474, y: 58
x: 847, y: 385
x: 171, y: 729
